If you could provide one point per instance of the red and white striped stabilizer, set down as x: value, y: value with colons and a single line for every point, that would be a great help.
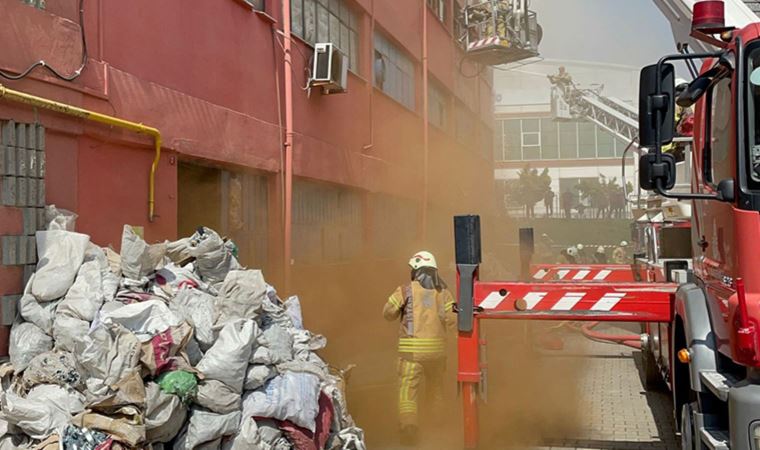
x: 487, y: 42
x: 633, y: 302
x: 600, y: 273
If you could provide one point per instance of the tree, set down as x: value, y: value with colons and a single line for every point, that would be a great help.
x: 529, y: 188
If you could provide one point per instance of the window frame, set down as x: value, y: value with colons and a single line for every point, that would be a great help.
x: 393, y: 88
x: 439, y: 10
x: 708, y: 169
x: 352, y: 23
x: 439, y: 93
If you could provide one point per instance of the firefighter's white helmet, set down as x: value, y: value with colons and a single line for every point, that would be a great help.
x: 423, y: 259
x: 624, y: 243
x: 600, y: 249
x: 580, y: 247
x: 572, y: 251
x: 681, y: 83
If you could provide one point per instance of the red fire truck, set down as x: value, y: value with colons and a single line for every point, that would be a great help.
x: 700, y: 319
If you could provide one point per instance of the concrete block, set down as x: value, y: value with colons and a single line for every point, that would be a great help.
x: 29, y: 270
x: 30, y: 221
x: 30, y: 247
x: 8, y: 133
x: 11, y: 250
x: 31, y: 136
x: 41, y: 164
x: 8, y: 309
x: 40, y: 218
x: 40, y: 192
x: 21, y: 135
x: 8, y: 192
x: 9, y: 160
x: 22, y: 170
x: 22, y: 191
x: 40, y: 138
x: 31, y: 163
x: 31, y: 193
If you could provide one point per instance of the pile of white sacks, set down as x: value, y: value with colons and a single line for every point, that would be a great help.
x: 172, y: 345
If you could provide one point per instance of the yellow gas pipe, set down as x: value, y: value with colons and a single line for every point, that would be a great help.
x: 63, y: 108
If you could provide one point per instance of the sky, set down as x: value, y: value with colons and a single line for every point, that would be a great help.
x: 629, y: 32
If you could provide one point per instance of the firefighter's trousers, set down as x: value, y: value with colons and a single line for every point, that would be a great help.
x: 412, y: 376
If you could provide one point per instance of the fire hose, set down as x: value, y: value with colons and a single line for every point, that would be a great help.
x: 630, y: 340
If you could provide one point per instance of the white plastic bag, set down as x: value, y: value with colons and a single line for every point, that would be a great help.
x: 68, y: 331
x: 279, y: 343
x: 138, y: 259
x: 63, y: 398
x: 106, y: 355
x: 164, y: 414
x: 241, y: 296
x: 39, y: 419
x: 217, y: 397
x: 291, y: 396
x: 227, y: 359
x: 85, y: 297
x: 293, y: 308
x: 197, y: 308
x: 60, y: 255
x: 40, y: 314
x: 144, y: 319
x: 27, y: 341
x: 256, y: 375
x: 59, y: 219
x: 213, y: 257
x: 247, y: 439
x: 206, y: 427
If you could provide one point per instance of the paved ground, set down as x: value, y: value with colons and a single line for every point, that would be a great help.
x: 620, y: 414
x: 612, y: 411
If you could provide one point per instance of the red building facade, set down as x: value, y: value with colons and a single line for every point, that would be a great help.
x: 209, y: 75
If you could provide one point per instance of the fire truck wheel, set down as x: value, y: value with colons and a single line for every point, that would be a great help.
x: 687, y: 427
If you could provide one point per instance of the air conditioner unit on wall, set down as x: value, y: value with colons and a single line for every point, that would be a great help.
x: 330, y: 70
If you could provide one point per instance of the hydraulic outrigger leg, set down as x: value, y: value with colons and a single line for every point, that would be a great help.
x: 570, y: 300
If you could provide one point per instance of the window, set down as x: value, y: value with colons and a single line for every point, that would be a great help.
x: 258, y: 5
x: 549, y: 145
x: 327, y: 21
x: 511, y: 140
x: 438, y: 106
x: 531, y: 133
x: 720, y: 131
x: 568, y: 140
x: 587, y: 140
x: 394, y: 72
x: 438, y: 7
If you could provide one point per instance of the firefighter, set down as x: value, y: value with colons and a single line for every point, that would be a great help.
x: 619, y: 254
x: 600, y: 257
x: 425, y: 309
x: 571, y: 255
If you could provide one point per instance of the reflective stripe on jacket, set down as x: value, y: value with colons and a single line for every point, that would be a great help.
x: 423, y: 315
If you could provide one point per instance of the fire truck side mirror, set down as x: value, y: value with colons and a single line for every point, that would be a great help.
x: 726, y: 190
x: 650, y: 171
x: 656, y: 105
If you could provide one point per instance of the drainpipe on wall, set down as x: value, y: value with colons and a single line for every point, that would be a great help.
x: 425, y: 124
x: 288, y: 147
